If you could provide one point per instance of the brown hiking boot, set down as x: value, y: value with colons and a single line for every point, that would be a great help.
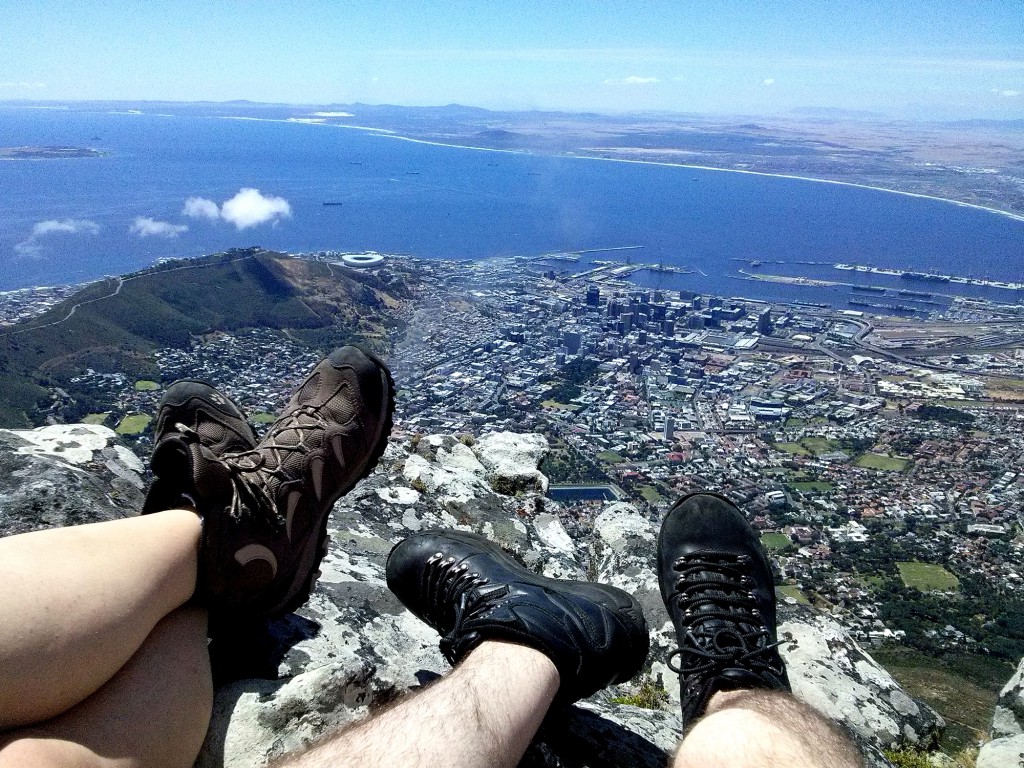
x: 266, y: 509
x: 191, y: 405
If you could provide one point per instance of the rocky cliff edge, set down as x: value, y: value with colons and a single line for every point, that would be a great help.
x: 354, y: 648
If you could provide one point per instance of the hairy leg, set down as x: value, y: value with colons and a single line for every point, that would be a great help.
x: 483, y: 714
x: 78, y: 602
x: 153, y: 713
x: 764, y: 729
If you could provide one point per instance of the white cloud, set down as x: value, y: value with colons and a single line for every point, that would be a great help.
x: 69, y: 226
x: 147, y: 227
x: 249, y: 208
x: 768, y: 81
x: 632, y: 80
x: 31, y: 246
x: 201, y: 208
x: 1010, y: 94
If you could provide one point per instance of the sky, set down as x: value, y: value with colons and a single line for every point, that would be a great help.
x: 919, y: 59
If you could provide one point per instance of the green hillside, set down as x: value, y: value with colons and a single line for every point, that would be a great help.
x: 114, y: 325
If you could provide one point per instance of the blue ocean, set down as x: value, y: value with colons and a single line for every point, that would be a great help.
x: 71, y: 220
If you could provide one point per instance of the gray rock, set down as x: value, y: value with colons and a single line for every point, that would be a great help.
x: 65, y: 474
x: 1008, y: 718
x: 829, y: 671
x: 1007, y: 752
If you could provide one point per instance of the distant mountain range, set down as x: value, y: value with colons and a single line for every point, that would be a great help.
x: 114, y: 325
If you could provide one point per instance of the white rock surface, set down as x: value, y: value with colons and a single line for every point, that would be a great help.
x: 1008, y: 718
x: 1007, y: 752
x: 830, y: 672
x: 514, y: 457
x: 74, y: 444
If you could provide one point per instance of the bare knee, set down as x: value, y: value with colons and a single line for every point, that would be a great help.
x: 734, y: 738
x: 766, y: 729
x: 34, y: 749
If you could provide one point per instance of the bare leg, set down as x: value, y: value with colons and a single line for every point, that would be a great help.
x: 77, y: 603
x: 764, y: 729
x: 485, y: 713
x: 153, y: 713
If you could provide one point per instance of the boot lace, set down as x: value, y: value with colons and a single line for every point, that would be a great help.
x: 250, y: 469
x: 452, y: 599
x: 724, y: 628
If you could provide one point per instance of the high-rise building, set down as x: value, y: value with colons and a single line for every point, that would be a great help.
x: 764, y: 322
x: 670, y: 428
x: 572, y: 340
x: 593, y: 296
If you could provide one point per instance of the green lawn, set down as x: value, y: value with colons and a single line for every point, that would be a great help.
x: 790, y: 591
x: 95, y: 418
x: 819, y: 445
x: 814, y: 485
x: 263, y: 418
x: 133, y: 425
x: 776, y: 541
x: 878, y: 461
x: 927, y: 576
x: 795, y: 448
x: 650, y: 494
x: 610, y: 457
x: 144, y: 385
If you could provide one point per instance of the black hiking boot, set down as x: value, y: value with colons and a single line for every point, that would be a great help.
x: 469, y: 590
x: 194, y: 406
x: 718, y: 587
x: 265, y: 509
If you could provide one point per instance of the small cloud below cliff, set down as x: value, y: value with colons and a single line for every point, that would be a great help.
x: 32, y: 245
x: 248, y: 208
x: 144, y: 226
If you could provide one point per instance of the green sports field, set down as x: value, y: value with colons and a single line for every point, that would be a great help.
x: 927, y: 576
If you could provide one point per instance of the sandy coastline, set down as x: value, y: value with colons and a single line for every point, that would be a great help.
x: 390, y: 134
x: 1008, y: 214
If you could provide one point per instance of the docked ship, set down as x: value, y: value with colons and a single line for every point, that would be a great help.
x: 925, y: 277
